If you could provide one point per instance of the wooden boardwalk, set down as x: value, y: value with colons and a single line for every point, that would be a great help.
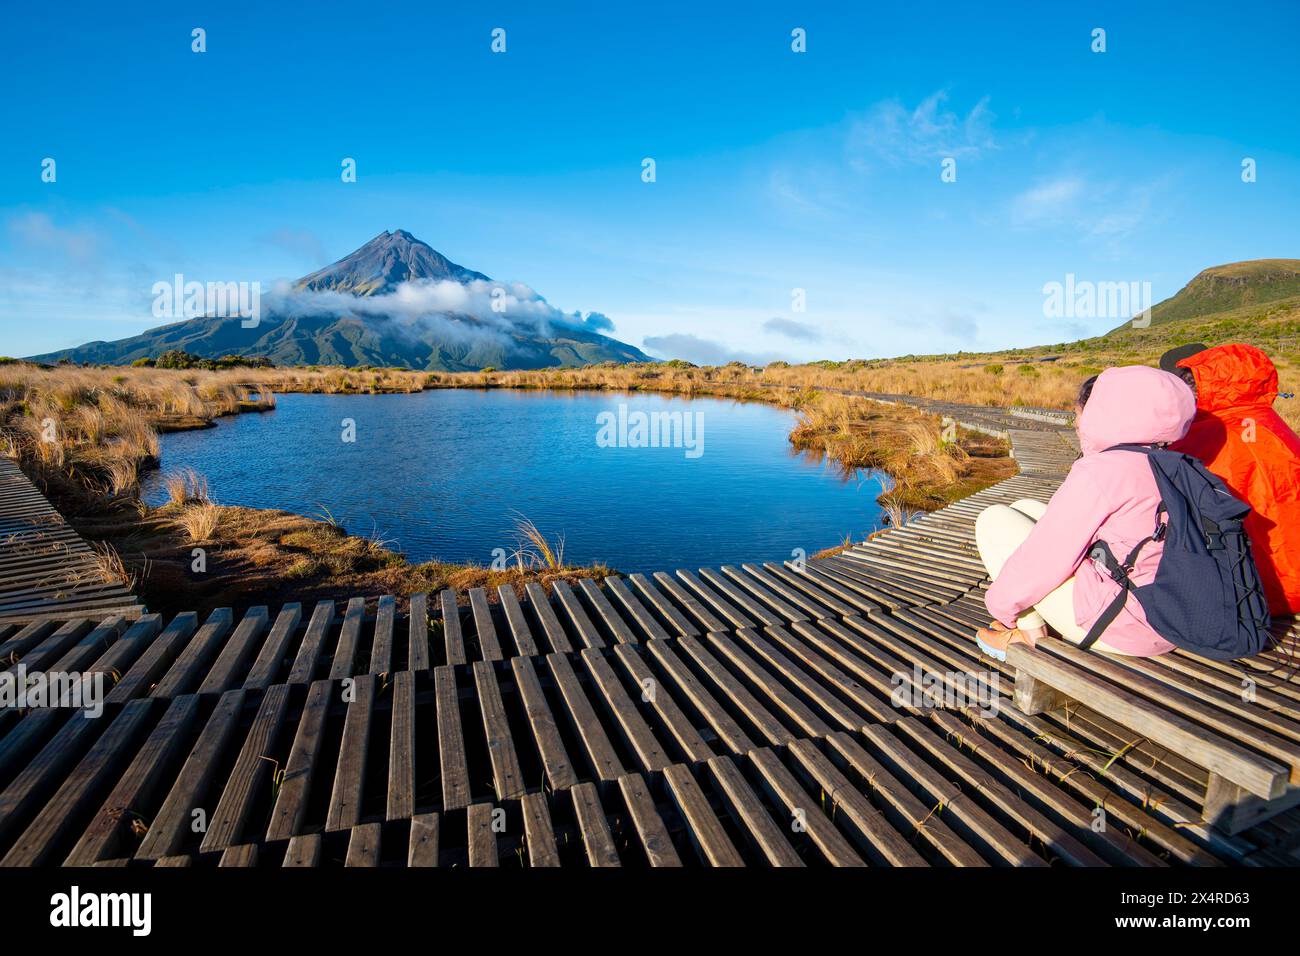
x: 46, y: 569
x: 836, y: 713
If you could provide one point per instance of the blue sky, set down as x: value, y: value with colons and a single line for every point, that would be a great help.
x: 775, y: 170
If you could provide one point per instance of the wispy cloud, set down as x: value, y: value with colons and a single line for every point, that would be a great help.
x: 892, y: 133
x: 799, y: 331
x: 1104, y: 213
x: 37, y: 230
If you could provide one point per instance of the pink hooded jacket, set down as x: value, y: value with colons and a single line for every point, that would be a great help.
x: 1111, y: 497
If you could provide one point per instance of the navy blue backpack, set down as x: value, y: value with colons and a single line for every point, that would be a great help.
x: 1206, y: 596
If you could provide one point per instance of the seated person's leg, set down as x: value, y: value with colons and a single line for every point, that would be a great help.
x: 1031, y: 507
x: 999, y: 530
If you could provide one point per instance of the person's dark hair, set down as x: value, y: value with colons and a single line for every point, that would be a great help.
x: 1085, y: 391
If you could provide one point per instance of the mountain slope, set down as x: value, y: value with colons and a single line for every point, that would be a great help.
x: 396, y: 301
x: 1227, y: 288
x: 384, y: 263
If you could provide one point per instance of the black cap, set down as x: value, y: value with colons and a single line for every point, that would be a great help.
x: 1169, y: 361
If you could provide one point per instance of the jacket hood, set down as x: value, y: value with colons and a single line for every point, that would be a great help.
x: 1228, y: 376
x: 1135, y: 404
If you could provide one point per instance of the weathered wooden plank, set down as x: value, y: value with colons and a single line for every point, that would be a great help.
x: 451, y: 741
x: 656, y: 842
x: 506, y: 775
x: 313, y: 644
x: 597, y: 841
x: 605, y: 611
x: 728, y: 611
x: 666, y: 608
x: 600, y: 752
x: 354, y: 750
x: 123, y: 653
x: 784, y: 789
x: 417, y: 633
x: 870, y: 830
x: 401, y: 748
x: 45, y: 772
x: 452, y: 636
x: 1040, y: 829
x: 688, y: 601
x: 539, y: 835
x: 228, y: 822
x: 875, y: 706
x: 482, y: 838
x: 303, y: 850
x: 572, y: 607
x: 171, y: 823
x: 381, y: 649
x: 271, y: 658
x: 555, y: 759
x: 364, y: 845
x: 515, y: 619
x: 657, y: 695
x: 728, y: 731
x: 551, y: 626
x: 234, y: 657
x: 759, y: 716
x: 84, y: 784
x: 960, y: 810
x: 345, y: 654
x: 48, y: 649
x: 636, y: 733
x: 650, y: 628
x: 159, y: 656
x: 88, y: 649
x: 239, y: 856
x: 300, y: 770
x: 748, y: 812
x: 484, y: 628
x: 422, y: 849
x: 126, y: 804
x: 707, y: 835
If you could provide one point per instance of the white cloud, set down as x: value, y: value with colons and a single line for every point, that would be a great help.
x: 897, y: 135
x: 37, y: 229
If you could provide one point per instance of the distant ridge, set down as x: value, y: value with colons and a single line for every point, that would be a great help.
x: 336, y: 316
x: 1234, y: 285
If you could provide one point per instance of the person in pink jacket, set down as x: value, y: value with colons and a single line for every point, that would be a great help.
x: 1036, y: 554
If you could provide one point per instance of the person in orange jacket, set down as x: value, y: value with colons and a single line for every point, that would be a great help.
x: 1240, y: 438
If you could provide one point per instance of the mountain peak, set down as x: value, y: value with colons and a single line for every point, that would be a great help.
x: 384, y: 263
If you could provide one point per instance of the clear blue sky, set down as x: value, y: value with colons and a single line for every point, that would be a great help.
x: 775, y: 170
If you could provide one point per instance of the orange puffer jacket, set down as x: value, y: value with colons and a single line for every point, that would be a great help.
x: 1247, y: 444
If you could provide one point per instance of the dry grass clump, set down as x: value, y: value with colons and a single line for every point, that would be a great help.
x: 199, y: 521
x: 927, y: 469
x: 186, y: 487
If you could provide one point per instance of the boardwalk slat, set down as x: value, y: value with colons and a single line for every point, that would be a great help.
x: 354, y: 751
x: 506, y: 775
x: 300, y: 770
x: 451, y: 741
x: 228, y: 822
x: 271, y: 658
x: 172, y: 822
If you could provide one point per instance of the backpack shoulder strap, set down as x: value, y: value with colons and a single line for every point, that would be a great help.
x: 1120, y: 574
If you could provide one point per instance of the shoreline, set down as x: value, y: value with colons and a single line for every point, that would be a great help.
x: 265, y: 553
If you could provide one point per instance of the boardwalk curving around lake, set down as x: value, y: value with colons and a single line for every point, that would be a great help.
x: 46, y: 569
x: 829, y: 713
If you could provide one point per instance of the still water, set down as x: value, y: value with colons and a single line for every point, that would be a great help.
x: 447, y: 474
